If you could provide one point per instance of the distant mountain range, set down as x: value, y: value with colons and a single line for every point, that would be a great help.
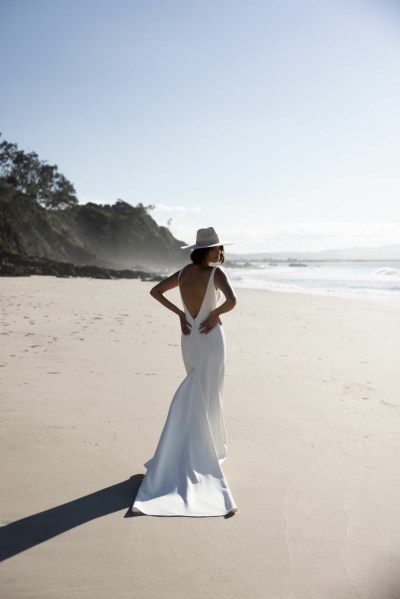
x: 386, y: 252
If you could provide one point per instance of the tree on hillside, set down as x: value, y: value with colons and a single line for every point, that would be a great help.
x: 24, y: 173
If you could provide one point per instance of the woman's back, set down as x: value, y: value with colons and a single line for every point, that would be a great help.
x: 193, y: 284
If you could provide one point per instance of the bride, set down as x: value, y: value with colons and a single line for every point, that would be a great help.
x: 184, y: 477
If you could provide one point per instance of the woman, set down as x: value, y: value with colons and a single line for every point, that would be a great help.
x: 184, y: 478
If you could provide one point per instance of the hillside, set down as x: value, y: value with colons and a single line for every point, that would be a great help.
x: 113, y: 236
x: 40, y: 216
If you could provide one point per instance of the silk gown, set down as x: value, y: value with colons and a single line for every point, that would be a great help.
x: 184, y: 477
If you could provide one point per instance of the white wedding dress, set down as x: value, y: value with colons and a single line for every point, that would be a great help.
x: 184, y: 478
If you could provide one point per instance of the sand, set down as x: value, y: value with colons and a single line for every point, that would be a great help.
x: 312, y: 400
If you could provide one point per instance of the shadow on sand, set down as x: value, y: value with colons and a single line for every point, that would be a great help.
x: 32, y: 530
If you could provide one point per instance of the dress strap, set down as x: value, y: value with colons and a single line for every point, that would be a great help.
x: 213, y: 273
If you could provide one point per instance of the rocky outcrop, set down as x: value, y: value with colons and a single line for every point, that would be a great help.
x: 14, y: 265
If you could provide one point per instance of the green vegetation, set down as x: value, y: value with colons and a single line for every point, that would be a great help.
x: 40, y: 216
x: 24, y: 174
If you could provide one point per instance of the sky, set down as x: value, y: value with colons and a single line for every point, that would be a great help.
x: 277, y: 122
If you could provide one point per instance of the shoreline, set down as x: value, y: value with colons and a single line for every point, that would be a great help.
x: 145, y: 277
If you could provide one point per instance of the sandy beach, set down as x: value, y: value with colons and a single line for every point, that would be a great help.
x: 312, y: 400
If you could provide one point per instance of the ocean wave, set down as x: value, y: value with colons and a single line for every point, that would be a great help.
x: 391, y: 272
x: 362, y: 280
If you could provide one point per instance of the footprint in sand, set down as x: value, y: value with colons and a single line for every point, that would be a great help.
x: 386, y: 403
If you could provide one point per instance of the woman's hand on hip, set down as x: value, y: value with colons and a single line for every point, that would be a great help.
x: 185, y: 325
x: 209, y: 323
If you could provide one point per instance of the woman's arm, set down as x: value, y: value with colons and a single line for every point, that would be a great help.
x: 223, y: 284
x: 158, y: 293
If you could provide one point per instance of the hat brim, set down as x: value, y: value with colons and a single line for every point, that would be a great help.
x: 196, y: 246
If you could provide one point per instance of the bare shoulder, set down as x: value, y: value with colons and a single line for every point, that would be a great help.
x: 222, y: 282
x: 186, y: 270
x: 219, y: 277
x: 168, y: 283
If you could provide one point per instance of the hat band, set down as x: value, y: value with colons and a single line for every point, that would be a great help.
x: 207, y: 243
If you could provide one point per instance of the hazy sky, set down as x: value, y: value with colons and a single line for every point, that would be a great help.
x: 275, y: 121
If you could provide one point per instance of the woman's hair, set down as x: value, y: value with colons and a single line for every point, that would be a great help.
x: 197, y: 256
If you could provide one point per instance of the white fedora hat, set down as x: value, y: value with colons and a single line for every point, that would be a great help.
x: 206, y: 238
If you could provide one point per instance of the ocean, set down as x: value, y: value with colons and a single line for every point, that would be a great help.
x: 351, y: 279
